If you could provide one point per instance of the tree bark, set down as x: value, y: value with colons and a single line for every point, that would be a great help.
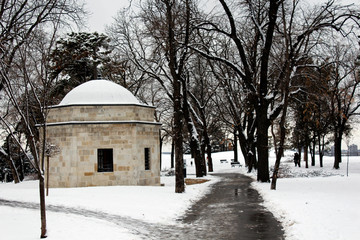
x: 178, y: 141
x: 208, y: 152
x: 262, y: 145
x: 10, y: 160
x: 235, y: 146
x: 262, y: 104
x: 244, y: 148
x: 321, y: 149
x: 312, y: 151
x: 200, y: 165
x: 13, y: 168
x: 337, y: 141
x: 42, y: 206
x: 306, y: 155
x: 47, y: 175
x: 177, y: 98
x: 280, y: 151
x: 299, y: 150
x: 172, y: 165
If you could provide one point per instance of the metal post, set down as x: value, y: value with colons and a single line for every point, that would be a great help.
x: 347, y: 164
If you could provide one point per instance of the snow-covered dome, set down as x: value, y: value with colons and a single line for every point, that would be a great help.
x: 99, y: 92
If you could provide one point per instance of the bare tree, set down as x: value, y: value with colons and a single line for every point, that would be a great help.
x: 23, y: 69
x: 277, y: 34
x: 296, y: 50
x: 344, y: 83
x: 255, y: 83
x: 158, y: 46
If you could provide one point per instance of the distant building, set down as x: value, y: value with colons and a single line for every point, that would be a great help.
x: 332, y: 151
x: 353, y: 149
x: 105, y: 137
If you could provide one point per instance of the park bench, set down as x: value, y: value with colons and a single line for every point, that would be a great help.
x: 234, y: 164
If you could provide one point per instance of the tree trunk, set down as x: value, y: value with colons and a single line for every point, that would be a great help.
x: 282, y: 126
x: 235, y: 146
x: 172, y: 165
x: 10, y: 161
x: 252, y: 156
x: 208, y: 152
x: 177, y: 98
x: 312, y: 151
x: 47, y: 175
x: 161, y: 146
x: 13, y: 168
x: 244, y: 147
x: 262, y: 145
x: 248, y: 149
x: 179, y: 161
x: 22, y: 169
x: 207, y: 146
x: 178, y: 140
x: 321, y: 149
x: 274, y: 139
x: 338, y: 138
x: 262, y: 105
x: 306, y: 156
x: 196, y: 154
x: 200, y: 165
x: 42, y: 205
x: 299, y: 150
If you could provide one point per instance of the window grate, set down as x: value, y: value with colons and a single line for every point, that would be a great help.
x: 105, y: 160
x: 147, y: 158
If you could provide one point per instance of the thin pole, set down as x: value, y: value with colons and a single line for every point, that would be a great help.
x: 347, y: 164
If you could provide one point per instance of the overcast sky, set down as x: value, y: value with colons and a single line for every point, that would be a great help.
x: 103, y: 11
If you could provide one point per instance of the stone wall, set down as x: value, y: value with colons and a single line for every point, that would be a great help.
x: 101, y: 113
x: 76, y: 164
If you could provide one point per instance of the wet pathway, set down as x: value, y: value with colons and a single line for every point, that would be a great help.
x: 231, y: 211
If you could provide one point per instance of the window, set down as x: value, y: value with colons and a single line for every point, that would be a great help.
x: 105, y: 160
x: 147, y: 158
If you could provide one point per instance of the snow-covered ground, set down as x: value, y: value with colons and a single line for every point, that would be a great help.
x: 311, y: 203
x: 317, y: 203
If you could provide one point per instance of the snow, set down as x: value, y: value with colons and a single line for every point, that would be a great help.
x: 317, y: 203
x: 99, y: 92
x: 314, y: 203
x: 24, y: 224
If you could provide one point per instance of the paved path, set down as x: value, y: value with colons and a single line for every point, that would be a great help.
x: 233, y: 211
x: 230, y: 211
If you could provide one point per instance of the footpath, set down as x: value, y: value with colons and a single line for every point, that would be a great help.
x: 233, y: 211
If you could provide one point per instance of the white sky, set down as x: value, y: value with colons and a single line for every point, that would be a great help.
x: 104, y: 11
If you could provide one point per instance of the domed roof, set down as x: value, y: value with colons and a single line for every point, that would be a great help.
x: 99, y: 92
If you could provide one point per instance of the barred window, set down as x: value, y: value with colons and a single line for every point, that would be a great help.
x: 147, y: 158
x: 105, y: 160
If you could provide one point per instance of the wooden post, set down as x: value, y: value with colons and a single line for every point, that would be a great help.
x: 47, y: 175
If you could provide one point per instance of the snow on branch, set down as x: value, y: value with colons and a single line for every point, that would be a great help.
x: 252, y: 14
x: 275, y: 111
x: 220, y: 59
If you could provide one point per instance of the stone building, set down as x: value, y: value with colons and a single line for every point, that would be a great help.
x: 105, y: 137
